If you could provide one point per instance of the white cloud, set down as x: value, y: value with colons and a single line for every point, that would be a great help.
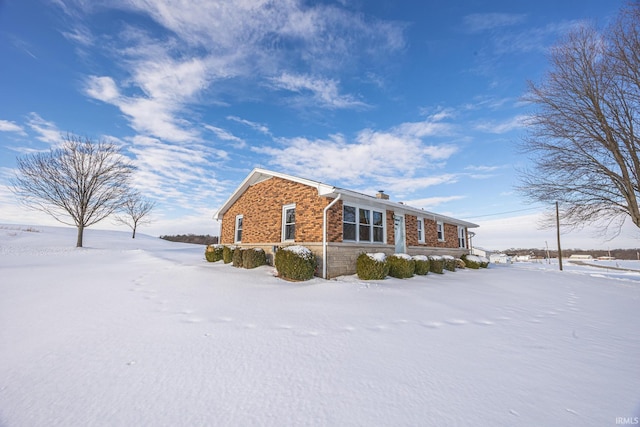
x: 226, y: 136
x: 373, y: 155
x: 479, y: 22
x: 517, y: 122
x: 47, y: 131
x: 256, y: 126
x: 9, y: 126
x: 324, y: 92
x: 431, y: 202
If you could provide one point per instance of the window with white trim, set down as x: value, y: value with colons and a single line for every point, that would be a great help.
x: 362, y: 224
x: 288, y: 222
x: 440, y: 230
x: 420, y: 230
x: 462, y: 237
x: 238, y: 232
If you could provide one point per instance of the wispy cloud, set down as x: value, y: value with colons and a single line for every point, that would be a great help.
x: 432, y: 202
x: 517, y: 122
x: 9, y: 126
x: 47, y: 131
x: 479, y: 22
x: 226, y: 136
x: 253, y: 125
x: 324, y: 92
x: 372, y: 155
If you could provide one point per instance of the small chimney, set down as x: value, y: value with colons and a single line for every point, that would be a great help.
x: 381, y: 195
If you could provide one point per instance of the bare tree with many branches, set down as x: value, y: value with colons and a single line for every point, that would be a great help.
x: 582, y: 139
x: 80, y: 183
x: 135, y: 212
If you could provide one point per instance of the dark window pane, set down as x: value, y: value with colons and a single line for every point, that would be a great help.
x: 290, y: 216
x: 348, y: 231
x: 239, y: 222
x: 365, y: 216
x: 365, y: 233
x: 349, y: 214
x: 239, y: 239
x: 377, y: 218
x: 378, y: 234
x: 290, y: 232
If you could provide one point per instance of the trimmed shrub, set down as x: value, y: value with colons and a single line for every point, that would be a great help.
x: 237, y: 257
x: 372, y: 266
x: 401, y: 266
x: 449, y: 262
x: 253, y: 257
x: 422, y: 264
x: 460, y: 263
x: 472, y: 261
x: 213, y: 253
x: 484, y: 262
x: 295, y: 263
x: 227, y: 254
x: 436, y: 264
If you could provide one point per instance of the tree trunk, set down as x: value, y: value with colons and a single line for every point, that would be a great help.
x: 80, y: 233
x: 134, y: 233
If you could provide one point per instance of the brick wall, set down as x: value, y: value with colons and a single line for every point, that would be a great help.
x: 261, y: 207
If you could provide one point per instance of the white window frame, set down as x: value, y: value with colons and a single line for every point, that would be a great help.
x: 462, y: 237
x: 440, y: 230
x: 237, y: 237
x: 371, y: 225
x: 285, y: 208
x: 421, y: 230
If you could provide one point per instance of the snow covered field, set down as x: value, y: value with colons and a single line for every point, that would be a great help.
x: 145, y: 332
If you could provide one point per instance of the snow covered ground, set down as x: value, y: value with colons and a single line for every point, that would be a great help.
x: 145, y: 332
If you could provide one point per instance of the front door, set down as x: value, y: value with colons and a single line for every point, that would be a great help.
x: 398, y: 231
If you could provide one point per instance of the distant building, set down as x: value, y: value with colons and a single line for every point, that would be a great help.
x: 500, y: 259
x: 579, y: 257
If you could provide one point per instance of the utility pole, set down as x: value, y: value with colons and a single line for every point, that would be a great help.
x: 558, y: 230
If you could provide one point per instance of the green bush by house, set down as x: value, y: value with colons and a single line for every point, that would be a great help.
x: 436, y: 264
x: 401, y: 266
x: 372, y: 266
x: 227, y: 254
x: 449, y: 262
x: 422, y: 264
x: 460, y: 263
x: 472, y: 261
x: 253, y: 257
x: 237, y: 257
x: 295, y: 263
x: 213, y: 253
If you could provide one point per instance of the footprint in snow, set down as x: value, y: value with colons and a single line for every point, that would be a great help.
x: 456, y: 322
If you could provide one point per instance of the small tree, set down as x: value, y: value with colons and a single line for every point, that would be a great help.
x: 80, y: 183
x: 135, y: 211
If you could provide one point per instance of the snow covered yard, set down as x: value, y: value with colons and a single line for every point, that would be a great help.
x: 146, y: 332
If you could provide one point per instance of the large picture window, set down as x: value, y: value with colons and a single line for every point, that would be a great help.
x: 238, y: 233
x: 288, y: 222
x: 362, y: 224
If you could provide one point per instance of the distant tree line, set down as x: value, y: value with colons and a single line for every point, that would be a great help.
x: 192, y: 238
x: 542, y: 253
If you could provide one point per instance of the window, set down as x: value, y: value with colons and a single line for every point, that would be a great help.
x: 365, y: 225
x: 462, y: 237
x: 349, y: 223
x: 440, y: 230
x: 420, y: 230
x: 288, y: 222
x: 238, y: 234
x: 362, y: 224
x: 378, y: 227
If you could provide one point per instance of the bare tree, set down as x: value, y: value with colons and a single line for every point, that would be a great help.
x: 582, y: 140
x: 135, y: 212
x: 80, y: 183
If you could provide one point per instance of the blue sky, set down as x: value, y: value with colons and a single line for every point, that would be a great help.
x: 420, y: 99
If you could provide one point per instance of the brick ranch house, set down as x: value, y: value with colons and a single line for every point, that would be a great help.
x: 271, y: 209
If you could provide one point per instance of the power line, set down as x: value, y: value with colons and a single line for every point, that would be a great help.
x: 503, y: 213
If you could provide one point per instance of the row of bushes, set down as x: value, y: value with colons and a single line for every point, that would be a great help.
x: 378, y: 266
x: 292, y: 262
